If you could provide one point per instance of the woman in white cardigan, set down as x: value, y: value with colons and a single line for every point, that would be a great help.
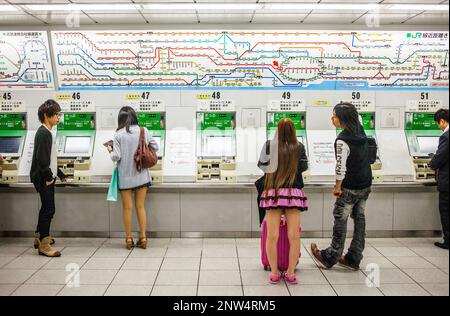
x: 126, y: 142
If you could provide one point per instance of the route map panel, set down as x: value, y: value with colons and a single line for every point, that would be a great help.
x: 251, y: 59
x: 25, y: 61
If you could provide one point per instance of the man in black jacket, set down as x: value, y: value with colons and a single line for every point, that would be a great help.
x: 44, y: 170
x: 440, y: 164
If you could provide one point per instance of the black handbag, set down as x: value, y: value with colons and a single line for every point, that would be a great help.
x: 259, y: 184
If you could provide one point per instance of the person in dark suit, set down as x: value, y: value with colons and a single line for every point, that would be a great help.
x: 440, y: 164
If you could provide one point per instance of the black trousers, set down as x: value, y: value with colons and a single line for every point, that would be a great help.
x: 443, y: 209
x: 47, y: 210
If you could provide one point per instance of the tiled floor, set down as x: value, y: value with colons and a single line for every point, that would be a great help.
x: 218, y: 267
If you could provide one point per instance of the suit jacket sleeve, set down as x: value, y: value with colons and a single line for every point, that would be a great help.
x: 441, y: 158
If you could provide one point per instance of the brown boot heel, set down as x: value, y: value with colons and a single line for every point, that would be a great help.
x: 45, y: 248
x: 37, y: 240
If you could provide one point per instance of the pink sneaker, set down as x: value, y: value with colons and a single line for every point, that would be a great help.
x: 275, y: 278
x: 291, y: 279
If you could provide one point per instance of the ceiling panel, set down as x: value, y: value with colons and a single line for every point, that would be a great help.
x: 132, y: 16
x: 223, y: 1
x: 290, y: 1
x: 153, y: 1
x: 386, y: 19
x: 279, y: 18
x: 351, y: 1
x: 119, y: 18
x: 19, y: 20
x: 225, y: 18
x: 413, y: 1
x: 127, y: 11
x: 64, y: 19
x: 342, y: 12
x: 102, y: 1
x: 429, y: 19
x: 408, y: 12
x: 38, y: 1
x: 169, y: 12
x: 331, y: 18
x: 12, y: 13
x: 172, y: 18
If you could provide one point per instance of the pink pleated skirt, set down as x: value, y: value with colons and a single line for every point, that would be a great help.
x: 285, y: 199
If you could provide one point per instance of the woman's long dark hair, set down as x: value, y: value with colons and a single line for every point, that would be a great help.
x: 127, y: 117
x: 349, y: 117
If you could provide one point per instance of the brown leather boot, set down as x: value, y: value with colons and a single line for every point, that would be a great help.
x: 46, y: 249
x: 37, y: 240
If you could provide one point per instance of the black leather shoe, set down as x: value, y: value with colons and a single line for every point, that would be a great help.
x: 441, y: 245
x: 347, y: 263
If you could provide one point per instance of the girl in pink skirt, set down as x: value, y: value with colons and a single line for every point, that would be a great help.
x: 283, y: 161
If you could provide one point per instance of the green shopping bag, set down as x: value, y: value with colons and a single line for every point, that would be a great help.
x: 113, y: 192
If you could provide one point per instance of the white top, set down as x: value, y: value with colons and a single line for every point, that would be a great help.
x: 54, y: 153
x: 342, y: 154
x: 446, y: 130
x: 125, y: 146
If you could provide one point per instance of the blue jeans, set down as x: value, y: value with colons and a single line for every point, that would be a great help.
x: 351, y: 203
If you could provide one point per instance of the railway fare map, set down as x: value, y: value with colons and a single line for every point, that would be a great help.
x: 25, y: 61
x: 251, y: 59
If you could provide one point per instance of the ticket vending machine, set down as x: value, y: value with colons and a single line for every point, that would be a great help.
x: 155, y: 122
x: 216, y: 145
x: 299, y: 120
x: 13, y: 130
x: 75, y: 140
x: 368, y: 120
x: 422, y: 134
x: 369, y: 124
x: 367, y: 114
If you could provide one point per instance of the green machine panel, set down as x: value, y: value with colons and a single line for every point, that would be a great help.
x: 273, y: 118
x: 156, y: 125
x: 420, y: 122
x: 77, y: 122
x: 13, y: 122
x: 152, y: 121
x: 13, y: 129
x: 298, y: 118
x: 216, y: 134
x: 216, y: 121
